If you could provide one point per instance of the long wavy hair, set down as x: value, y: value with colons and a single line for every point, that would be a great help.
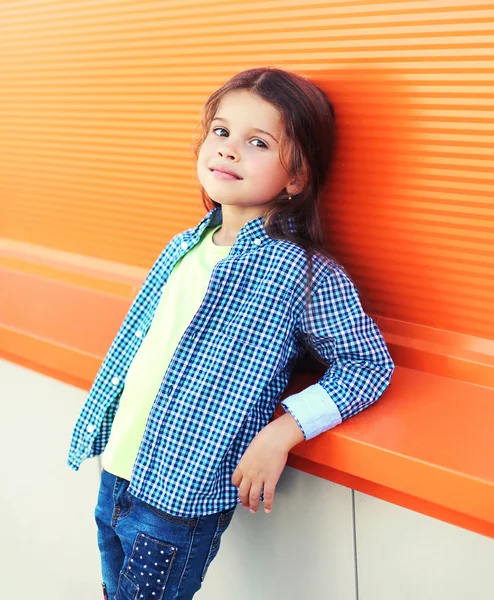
x: 306, y: 149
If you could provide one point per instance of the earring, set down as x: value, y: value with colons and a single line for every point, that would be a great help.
x: 289, y: 197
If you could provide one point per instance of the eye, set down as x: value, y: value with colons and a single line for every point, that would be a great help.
x: 219, y: 129
x: 258, y: 140
x: 215, y: 130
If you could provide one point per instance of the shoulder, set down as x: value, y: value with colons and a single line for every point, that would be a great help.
x: 324, y: 269
x: 284, y: 250
x: 179, y: 238
x: 330, y: 283
x: 169, y: 250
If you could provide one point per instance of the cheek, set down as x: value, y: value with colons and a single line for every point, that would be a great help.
x: 202, y: 153
x: 202, y: 162
x: 204, y: 158
x: 209, y: 144
x: 274, y: 171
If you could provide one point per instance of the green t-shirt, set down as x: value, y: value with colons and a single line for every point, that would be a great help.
x: 181, y: 297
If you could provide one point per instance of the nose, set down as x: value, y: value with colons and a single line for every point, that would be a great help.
x: 226, y: 151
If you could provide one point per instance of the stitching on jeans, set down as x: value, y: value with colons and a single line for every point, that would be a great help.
x: 192, y: 522
x: 120, y: 580
x: 116, y: 510
x: 211, y: 549
x: 127, y: 512
x: 224, y: 521
x: 186, y: 564
x: 157, y: 544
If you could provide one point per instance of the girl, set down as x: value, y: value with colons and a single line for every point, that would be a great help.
x: 209, y: 344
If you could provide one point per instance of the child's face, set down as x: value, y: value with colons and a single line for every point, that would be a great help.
x: 233, y: 143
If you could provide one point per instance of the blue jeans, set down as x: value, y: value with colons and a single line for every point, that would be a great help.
x: 147, y: 553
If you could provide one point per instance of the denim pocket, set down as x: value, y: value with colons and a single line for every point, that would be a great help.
x: 223, y: 521
x: 147, y: 569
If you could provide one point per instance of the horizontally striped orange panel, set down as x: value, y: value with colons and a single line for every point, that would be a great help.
x: 100, y: 101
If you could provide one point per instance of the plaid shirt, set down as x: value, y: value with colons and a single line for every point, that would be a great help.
x: 231, y: 366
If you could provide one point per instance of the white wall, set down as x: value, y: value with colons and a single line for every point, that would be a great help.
x: 49, y: 549
x: 322, y: 541
x: 403, y: 555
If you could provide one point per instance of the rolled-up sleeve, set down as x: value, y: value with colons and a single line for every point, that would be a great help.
x: 340, y: 332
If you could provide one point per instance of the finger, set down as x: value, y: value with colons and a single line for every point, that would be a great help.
x: 237, y: 476
x: 255, y: 492
x: 243, y: 491
x: 269, y: 489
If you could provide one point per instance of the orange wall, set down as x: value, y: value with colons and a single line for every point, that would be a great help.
x: 100, y: 101
x: 99, y: 104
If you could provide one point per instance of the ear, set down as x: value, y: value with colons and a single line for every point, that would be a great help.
x: 294, y: 187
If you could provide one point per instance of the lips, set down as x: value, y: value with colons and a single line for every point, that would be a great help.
x: 224, y: 173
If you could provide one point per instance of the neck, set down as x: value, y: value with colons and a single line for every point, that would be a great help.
x: 233, y: 219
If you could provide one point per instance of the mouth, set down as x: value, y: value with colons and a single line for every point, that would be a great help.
x: 224, y: 173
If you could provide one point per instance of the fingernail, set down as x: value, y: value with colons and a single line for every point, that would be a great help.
x: 267, y: 510
x: 253, y: 511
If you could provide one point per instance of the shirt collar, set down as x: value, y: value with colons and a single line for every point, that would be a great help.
x: 251, y: 234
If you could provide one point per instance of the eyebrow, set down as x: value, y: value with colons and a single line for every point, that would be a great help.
x: 252, y: 129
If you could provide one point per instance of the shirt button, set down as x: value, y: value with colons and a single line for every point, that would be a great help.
x: 115, y: 380
x: 139, y: 333
x: 184, y: 245
x: 90, y: 428
x: 257, y: 241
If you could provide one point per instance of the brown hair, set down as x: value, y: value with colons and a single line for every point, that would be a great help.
x: 306, y: 149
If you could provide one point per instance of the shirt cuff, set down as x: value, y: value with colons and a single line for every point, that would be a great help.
x: 313, y: 410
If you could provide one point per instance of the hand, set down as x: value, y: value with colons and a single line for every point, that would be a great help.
x: 264, y: 460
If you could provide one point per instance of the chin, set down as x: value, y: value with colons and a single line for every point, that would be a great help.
x: 224, y: 201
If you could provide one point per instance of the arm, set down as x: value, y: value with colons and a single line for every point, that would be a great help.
x: 360, y: 369
x: 343, y: 335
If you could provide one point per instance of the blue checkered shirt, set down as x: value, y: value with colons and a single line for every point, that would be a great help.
x: 231, y: 366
